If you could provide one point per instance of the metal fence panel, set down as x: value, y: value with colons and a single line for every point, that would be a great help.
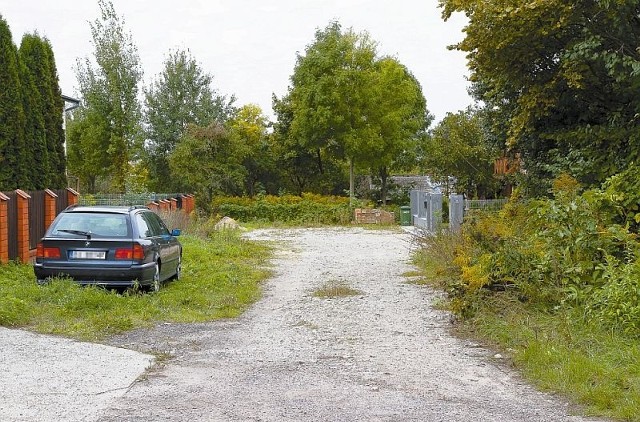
x: 434, y: 204
x: 422, y: 210
x: 426, y: 208
x: 126, y: 199
x: 484, y: 204
x: 36, y: 217
x: 413, y: 196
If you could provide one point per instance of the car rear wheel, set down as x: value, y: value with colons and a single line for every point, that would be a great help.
x: 178, y: 269
x: 155, y: 284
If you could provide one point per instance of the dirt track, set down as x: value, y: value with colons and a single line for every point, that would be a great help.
x: 382, y: 355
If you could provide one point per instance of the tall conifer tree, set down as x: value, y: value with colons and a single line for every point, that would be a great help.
x: 12, y: 165
x: 53, y: 109
x: 31, y: 78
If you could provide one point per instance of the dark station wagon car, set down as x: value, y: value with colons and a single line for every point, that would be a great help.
x: 109, y: 246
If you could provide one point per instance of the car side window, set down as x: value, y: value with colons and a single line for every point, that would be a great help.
x: 162, y: 228
x: 155, y: 224
x: 143, y: 226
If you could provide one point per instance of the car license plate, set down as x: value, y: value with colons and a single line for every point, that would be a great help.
x: 88, y: 254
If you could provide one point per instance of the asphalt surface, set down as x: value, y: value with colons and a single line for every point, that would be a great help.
x: 47, y: 378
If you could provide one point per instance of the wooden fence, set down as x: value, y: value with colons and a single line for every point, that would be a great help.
x: 25, y: 217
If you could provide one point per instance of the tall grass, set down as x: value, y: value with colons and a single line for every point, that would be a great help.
x: 594, y: 367
x: 221, y: 277
x: 551, y: 338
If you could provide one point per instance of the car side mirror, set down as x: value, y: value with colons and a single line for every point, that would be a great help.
x: 176, y: 232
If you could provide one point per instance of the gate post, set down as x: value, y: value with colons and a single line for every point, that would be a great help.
x: 456, y: 212
x: 72, y: 197
x: 435, y: 211
x: 4, y: 229
x: 50, y: 199
x: 23, y: 225
x: 190, y: 203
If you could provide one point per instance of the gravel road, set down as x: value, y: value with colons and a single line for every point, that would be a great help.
x: 382, y: 355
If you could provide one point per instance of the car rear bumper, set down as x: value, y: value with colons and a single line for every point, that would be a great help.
x: 115, y: 276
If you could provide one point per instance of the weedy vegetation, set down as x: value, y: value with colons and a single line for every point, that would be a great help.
x: 555, y: 283
x: 335, y: 289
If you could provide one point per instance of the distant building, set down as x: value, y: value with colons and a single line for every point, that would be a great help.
x: 422, y: 183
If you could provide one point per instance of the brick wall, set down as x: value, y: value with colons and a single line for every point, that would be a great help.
x: 4, y: 229
x: 72, y: 197
x: 23, y: 225
x: 373, y: 216
x: 50, y: 201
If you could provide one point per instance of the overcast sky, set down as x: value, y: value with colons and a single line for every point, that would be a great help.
x: 250, y: 46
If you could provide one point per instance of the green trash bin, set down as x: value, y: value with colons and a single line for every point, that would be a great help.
x: 405, y: 216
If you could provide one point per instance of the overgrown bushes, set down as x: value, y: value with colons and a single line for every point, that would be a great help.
x: 305, y: 209
x: 555, y: 284
x: 574, y: 250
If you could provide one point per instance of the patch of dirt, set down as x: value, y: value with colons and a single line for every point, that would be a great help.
x: 382, y: 355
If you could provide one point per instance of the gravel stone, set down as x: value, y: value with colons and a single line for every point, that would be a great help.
x: 383, y: 355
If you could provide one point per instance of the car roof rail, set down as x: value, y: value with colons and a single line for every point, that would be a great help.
x: 72, y: 206
x: 138, y: 207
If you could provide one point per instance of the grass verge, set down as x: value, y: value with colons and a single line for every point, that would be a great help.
x: 221, y: 277
x: 553, y: 344
x: 596, y: 368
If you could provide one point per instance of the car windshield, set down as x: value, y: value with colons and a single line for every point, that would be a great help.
x: 76, y: 224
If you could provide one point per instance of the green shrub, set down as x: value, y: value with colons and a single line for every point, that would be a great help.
x: 555, y: 283
x: 616, y: 304
x: 622, y: 194
x: 565, y: 251
x: 305, y: 209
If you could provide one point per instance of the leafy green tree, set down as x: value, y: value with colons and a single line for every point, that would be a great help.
x: 13, y: 163
x: 181, y: 95
x: 36, y: 153
x: 328, y: 94
x: 208, y: 162
x: 561, y: 79
x: 400, y: 116
x: 111, y: 110
x: 458, y: 147
x: 351, y: 105
x: 87, y: 143
x: 249, y: 130
x: 302, y: 168
x: 54, y: 106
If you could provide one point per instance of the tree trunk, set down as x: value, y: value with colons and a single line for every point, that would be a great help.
x: 384, y: 176
x: 351, y: 183
x: 319, y: 161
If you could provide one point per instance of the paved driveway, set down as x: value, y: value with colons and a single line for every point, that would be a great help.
x: 46, y: 378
